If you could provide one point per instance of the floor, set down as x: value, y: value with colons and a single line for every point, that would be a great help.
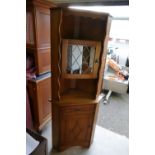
x: 115, y: 115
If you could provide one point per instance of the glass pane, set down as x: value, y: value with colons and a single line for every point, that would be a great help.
x: 80, y: 59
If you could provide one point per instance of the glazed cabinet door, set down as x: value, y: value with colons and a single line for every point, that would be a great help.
x: 80, y: 58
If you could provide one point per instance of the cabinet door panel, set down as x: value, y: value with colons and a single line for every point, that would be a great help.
x: 43, y: 27
x: 76, y: 127
x: 76, y: 110
x: 44, y: 93
x: 32, y: 90
x: 44, y: 60
x: 29, y: 28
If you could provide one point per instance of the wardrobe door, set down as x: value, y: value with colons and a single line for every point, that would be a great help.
x: 40, y: 94
x: 43, y: 39
x: 43, y: 96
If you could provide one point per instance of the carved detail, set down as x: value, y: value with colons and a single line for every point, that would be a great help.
x: 59, y: 62
x: 76, y: 130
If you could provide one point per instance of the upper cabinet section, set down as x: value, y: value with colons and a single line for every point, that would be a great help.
x: 38, y: 24
x: 83, y: 25
x: 79, y: 40
x: 38, y: 42
x: 79, y: 48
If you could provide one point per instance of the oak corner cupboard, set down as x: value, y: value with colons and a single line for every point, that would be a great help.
x: 79, y: 48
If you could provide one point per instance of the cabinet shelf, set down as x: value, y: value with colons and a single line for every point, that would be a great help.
x: 76, y: 95
x: 79, y: 76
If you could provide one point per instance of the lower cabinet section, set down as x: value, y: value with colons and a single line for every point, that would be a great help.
x: 75, y: 127
x: 39, y: 94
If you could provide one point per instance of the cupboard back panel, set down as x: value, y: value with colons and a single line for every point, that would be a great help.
x: 83, y: 28
x: 86, y: 85
x: 92, y: 29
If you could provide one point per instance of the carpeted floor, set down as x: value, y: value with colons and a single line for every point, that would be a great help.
x: 115, y: 116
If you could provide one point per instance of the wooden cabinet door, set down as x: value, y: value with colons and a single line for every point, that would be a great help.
x: 76, y: 126
x: 43, y: 61
x: 33, y: 102
x: 43, y: 95
x: 29, y: 29
x: 40, y: 93
x: 43, y: 40
x: 43, y: 27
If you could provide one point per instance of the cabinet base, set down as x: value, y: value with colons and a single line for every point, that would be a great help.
x: 73, y: 125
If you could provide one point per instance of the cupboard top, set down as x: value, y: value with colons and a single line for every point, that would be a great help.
x: 82, y: 13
